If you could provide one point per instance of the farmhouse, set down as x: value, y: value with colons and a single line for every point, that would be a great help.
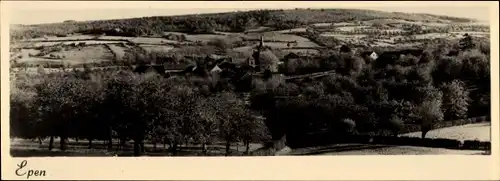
x: 216, y: 69
x: 369, y: 55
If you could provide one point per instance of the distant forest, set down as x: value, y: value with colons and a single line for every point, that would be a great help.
x: 226, y: 22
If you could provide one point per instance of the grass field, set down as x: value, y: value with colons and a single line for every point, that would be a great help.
x: 115, y: 38
x: 87, y: 54
x: 405, y: 150
x: 204, y: 37
x: 294, y: 30
x: 479, y: 131
x: 28, y: 52
x: 363, y: 149
x: 157, y: 48
x: 118, y: 50
x: 304, y: 51
x: 31, y: 148
x: 146, y: 40
x: 38, y: 60
x: 274, y: 36
x: 90, y: 42
x: 68, y: 38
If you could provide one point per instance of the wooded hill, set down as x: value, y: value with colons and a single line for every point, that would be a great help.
x: 227, y: 22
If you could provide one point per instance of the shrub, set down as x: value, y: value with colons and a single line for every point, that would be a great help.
x: 455, y: 100
x: 471, y: 144
x: 396, y: 125
x: 350, y: 125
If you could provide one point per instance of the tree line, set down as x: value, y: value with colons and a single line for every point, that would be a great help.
x: 126, y: 106
x: 380, y: 97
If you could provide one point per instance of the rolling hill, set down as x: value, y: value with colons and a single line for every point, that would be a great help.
x: 225, y: 22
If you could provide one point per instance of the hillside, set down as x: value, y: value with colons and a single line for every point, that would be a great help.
x: 226, y: 22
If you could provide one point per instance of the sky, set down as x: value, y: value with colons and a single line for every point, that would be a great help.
x: 37, y: 12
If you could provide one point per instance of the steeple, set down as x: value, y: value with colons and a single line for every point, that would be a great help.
x: 261, y: 42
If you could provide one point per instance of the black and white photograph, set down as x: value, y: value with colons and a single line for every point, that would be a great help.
x: 267, y: 81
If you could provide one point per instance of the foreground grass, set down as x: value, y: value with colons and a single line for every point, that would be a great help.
x: 364, y: 149
x: 477, y: 131
x: 31, y: 148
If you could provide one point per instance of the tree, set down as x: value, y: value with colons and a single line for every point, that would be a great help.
x: 23, y: 122
x: 395, y: 125
x: 429, y: 109
x: 60, y: 100
x: 253, y: 128
x: 206, y: 126
x: 231, y: 114
x: 455, y: 100
x: 466, y: 42
x: 183, y: 118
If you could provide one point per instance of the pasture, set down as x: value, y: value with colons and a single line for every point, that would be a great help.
x: 157, y: 48
x: 293, y: 30
x: 147, y: 40
x: 39, y: 61
x: 67, y: 38
x: 477, y: 131
x: 205, y: 37
x: 87, y: 54
x: 118, y: 50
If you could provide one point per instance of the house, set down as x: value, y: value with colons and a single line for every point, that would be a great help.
x: 118, y: 30
x: 370, y: 55
x: 216, y: 69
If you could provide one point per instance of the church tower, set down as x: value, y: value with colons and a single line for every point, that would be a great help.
x: 261, y: 44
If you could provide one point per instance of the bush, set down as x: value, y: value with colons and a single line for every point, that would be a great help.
x: 471, y: 144
x: 414, y: 141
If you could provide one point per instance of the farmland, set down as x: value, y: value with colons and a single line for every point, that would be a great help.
x: 194, y: 90
x: 378, y: 32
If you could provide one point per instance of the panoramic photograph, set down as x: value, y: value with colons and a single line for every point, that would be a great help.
x: 250, y: 82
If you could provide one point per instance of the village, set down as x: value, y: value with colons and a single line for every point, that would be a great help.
x: 204, y: 86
